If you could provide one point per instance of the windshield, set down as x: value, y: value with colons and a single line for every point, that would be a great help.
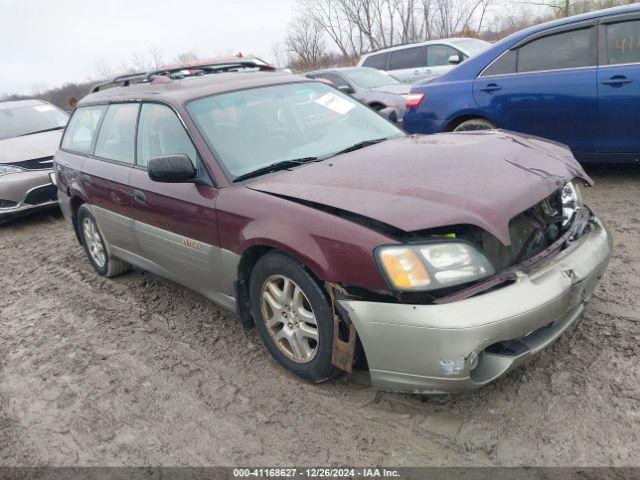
x: 24, y: 120
x: 471, y: 46
x: 252, y: 129
x: 370, y: 78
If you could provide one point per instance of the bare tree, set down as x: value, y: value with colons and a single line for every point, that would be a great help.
x: 305, y: 40
x: 186, y: 57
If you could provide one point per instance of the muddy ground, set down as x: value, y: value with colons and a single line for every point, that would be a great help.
x: 138, y: 371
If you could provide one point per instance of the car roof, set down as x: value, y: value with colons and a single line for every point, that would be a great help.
x: 447, y: 41
x: 341, y: 69
x: 179, y: 91
x: 20, y: 103
x: 577, y: 18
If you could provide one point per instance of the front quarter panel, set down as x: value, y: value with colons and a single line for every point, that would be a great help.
x: 334, y: 249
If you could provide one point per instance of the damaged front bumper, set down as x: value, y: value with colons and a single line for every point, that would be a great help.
x: 468, y: 343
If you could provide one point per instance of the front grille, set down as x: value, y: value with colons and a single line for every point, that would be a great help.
x: 44, y: 163
x: 47, y: 193
x: 7, y: 203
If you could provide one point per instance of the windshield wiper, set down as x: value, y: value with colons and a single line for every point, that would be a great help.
x: 42, y: 131
x: 358, y: 146
x: 274, y: 167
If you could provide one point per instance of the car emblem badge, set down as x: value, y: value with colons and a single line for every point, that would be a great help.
x: 187, y: 242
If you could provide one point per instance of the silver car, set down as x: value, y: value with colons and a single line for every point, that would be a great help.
x: 374, y: 88
x: 419, y: 61
x: 30, y: 132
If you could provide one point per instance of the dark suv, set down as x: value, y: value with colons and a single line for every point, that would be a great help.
x: 444, y: 261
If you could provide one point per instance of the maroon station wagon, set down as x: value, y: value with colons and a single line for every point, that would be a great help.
x: 441, y: 262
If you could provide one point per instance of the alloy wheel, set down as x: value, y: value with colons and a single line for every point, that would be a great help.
x: 94, y: 242
x: 289, y: 318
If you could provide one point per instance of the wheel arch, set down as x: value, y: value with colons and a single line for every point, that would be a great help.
x: 76, y: 202
x: 458, y: 120
x: 248, y: 260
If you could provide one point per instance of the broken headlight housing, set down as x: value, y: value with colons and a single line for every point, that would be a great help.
x: 431, y: 266
x: 7, y: 169
x: 571, y: 202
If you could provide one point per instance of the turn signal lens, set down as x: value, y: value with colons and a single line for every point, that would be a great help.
x: 404, y: 269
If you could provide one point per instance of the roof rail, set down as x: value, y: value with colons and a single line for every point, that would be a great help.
x: 123, y: 80
x: 209, y: 67
x: 186, y: 70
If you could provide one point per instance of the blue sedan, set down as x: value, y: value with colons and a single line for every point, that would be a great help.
x: 575, y: 81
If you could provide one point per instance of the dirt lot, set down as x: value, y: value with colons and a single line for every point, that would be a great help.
x: 139, y: 371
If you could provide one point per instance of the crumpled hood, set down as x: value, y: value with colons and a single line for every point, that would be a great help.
x: 419, y: 182
x: 29, y: 147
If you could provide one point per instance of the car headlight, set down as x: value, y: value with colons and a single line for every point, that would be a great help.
x: 571, y: 202
x: 433, y: 265
x: 7, y: 169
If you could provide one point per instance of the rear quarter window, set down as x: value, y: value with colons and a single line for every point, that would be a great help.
x: 378, y: 61
x: 82, y: 127
x: 623, y: 42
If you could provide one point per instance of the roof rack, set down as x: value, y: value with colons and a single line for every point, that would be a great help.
x: 187, y: 70
x: 122, y: 80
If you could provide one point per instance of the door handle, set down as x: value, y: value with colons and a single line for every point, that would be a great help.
x: 86, y: 179
x: 491, y: 87
x: 617, y: 80
x: 139, y: 197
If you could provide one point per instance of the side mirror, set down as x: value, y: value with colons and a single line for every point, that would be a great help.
x: 346, y: 89
x: 454, y: 59
x: 390, y: 114
x: 172, y: 169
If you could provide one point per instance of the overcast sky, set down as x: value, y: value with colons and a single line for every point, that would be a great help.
x: 50, y: 42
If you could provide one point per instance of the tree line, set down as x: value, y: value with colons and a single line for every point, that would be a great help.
x: 326, y: 33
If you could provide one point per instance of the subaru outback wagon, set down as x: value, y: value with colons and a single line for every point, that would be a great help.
x: 442, y: 261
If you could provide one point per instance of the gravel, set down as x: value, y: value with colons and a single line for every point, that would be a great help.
x: 137, y: 370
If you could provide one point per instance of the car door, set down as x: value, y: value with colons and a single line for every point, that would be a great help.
x: 105, y: 175
x: 175, y: 223
x: 546, y: 86
x: 409, y: 64
x: 619, y: 85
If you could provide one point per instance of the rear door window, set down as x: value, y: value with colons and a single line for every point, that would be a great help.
x: 378, y: 61
x: 571, y: 49
x: 414, y: 57
x: 623, y: 42
x: 117, y: 133
x: 161, y: 133
x: 82, y: 128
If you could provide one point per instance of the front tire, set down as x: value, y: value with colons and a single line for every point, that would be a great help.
x: 293, y: 316
x: 95, y: 248
x: 474, y: 124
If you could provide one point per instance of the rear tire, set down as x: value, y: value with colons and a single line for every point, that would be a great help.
x: 474, y: 124
x: 95, y: 248
x: 293, y: 316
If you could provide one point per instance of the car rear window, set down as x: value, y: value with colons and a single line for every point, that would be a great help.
x: 408, y: 58
x: 80, y: 132
x: 561, y: 50
x: 117, y: 133
x: 377, y: 61
x: 623, y: 42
